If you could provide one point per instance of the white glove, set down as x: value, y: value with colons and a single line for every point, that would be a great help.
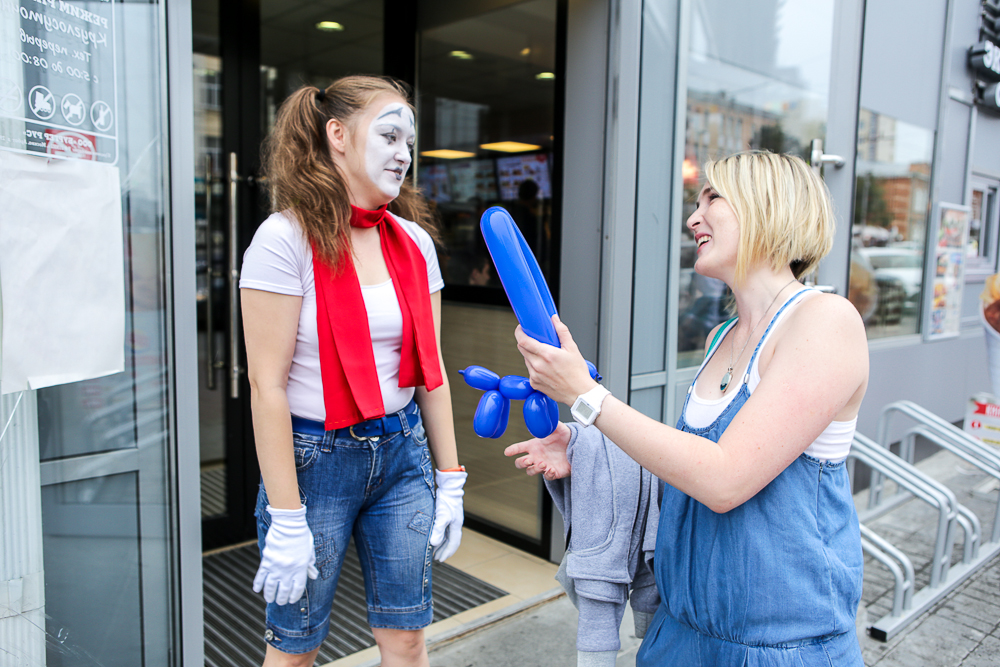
x: 288, y: 557
x: 448, y: 514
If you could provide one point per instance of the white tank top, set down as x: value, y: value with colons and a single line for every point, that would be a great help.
x: 833, y: 444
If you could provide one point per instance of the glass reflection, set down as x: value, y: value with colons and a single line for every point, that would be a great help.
x: 891, y: 210
x: 487, y: 102
x: 758, y: 78
x: 486, y: 137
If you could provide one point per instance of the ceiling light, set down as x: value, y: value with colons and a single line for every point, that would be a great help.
x: 509, y: 147
x: 526, y: 51
x: 545, y: 76
x: 461, y: 55
x: 447, y: 154
x: 329, y: 26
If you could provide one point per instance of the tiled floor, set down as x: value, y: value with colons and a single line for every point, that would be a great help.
x: 525, y: 577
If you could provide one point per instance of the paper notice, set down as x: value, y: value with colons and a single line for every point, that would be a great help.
x: 61, y: 271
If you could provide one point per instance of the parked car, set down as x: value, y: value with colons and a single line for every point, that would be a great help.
x: 903, y: 264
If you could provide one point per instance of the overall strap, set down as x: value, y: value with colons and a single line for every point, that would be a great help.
x: 763, y: 339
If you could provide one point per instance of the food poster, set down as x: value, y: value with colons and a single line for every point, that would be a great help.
x: 512, y: 171
x: 473, y: 179
x: 944, y: 314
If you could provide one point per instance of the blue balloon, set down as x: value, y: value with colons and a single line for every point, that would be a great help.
x: 553, y: 412
x: 488, y: 414
x: 532, y: 302
x: 504, y: 415
x: 478, y: 377
x: 522, y: 279
x: 539, y: 416
x: 515, y: 387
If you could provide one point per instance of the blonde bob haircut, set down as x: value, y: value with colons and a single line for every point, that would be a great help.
x: 783, y: 208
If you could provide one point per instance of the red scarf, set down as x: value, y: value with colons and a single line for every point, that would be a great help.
x: 351, y: 391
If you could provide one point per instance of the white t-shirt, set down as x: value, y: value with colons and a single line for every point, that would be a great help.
x: 280, y: 260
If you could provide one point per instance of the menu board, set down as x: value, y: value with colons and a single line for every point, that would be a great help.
x: 473, y: 179
x: 434, y: 183
x: 944, y: 310
x: 58, y: 83
x: 512, y: 171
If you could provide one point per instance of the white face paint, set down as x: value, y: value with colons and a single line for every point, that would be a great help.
x: 387, y: 152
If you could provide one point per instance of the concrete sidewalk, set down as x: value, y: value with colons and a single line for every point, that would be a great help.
x: 960, y: 630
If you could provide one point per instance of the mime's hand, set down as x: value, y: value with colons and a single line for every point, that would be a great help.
x: 545, y: 456
x: 558, y: 372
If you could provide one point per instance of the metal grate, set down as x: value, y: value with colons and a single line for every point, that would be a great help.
x: 213, y: 491
x: 234, y: 614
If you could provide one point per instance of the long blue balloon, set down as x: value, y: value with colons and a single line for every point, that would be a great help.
x: 532, y: 302
x: 522, y: 279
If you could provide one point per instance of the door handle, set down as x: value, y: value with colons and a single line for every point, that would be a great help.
x: 817, y: 158
x: 209, y: 276
x: 234, y: 279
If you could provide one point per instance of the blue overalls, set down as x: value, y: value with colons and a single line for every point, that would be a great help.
x: 773, y: 582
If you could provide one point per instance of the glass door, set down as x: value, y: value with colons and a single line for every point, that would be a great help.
x: 248, y: 57
x: 487, y: 136
x: 758, y: 77
x: 104, y: 435
x: 227, y: 139
x: 765, y: 75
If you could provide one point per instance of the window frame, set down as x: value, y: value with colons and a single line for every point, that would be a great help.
x: 986, y: 263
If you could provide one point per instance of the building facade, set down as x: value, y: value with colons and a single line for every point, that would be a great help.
x: 129, y: 153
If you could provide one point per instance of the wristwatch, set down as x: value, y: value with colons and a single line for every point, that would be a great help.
x: 588, y: 405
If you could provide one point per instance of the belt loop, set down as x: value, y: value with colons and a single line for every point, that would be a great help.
x: 404, y: 420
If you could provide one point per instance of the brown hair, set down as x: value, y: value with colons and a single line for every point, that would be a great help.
x: 302, y: 176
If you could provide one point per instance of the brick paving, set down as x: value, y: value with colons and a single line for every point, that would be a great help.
x: 960, y: 630
x: 963, y: 628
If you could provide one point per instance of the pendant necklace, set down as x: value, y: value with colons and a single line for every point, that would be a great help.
x: 728, y: 377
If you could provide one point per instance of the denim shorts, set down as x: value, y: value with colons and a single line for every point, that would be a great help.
x: 381, y: 491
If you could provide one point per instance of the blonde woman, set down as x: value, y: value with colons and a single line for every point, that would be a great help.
x: 342, y: 309
x: 758, y: 556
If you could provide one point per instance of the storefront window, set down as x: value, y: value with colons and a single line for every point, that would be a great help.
x: 981, y: 249
x: 891, y: 211
x: 758, y: 77
x: 486, y: 137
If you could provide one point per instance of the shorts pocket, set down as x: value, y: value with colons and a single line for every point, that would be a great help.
x: 419, y: 434
x: 306, y: 449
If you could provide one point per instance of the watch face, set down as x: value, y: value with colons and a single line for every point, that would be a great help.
x: 584, y: 410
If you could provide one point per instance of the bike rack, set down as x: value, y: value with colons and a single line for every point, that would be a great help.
x: 919, y: 485
x: 881, y: 550
x: 914, y: 483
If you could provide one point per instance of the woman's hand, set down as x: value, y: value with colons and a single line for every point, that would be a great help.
x: 558, y: 372
x: 545, y: 456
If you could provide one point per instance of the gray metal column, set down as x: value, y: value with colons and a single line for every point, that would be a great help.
x: 184, y: 350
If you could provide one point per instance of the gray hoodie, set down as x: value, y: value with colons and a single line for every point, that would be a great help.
x: 610, y: 507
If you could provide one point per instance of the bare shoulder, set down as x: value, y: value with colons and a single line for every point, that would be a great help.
x: 829, y: 319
